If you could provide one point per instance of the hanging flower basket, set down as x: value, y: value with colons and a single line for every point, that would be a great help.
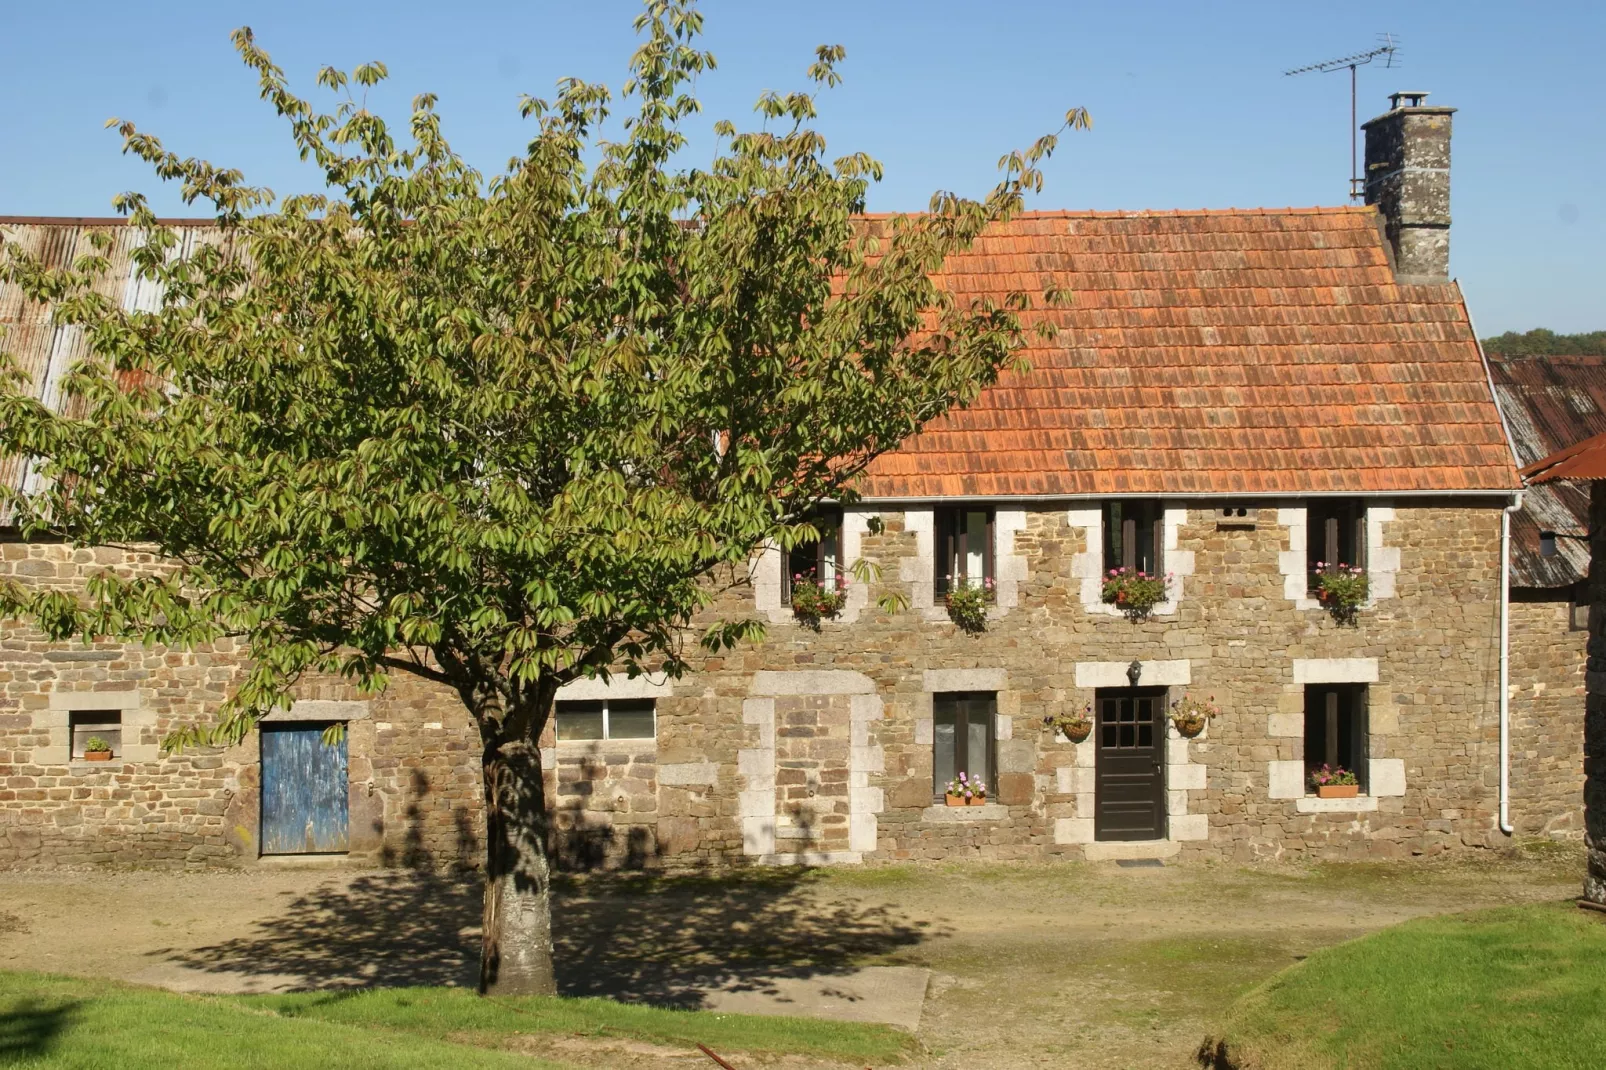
x: 1190, y: 715
x: 1075, y: 727
x: 1341, y: 588
x: 812, y: 601
x: 967, y: 604
x: 1135, y: 592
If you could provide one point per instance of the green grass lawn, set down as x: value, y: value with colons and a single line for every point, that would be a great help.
x: 1516, y: 988
x: 50, y: 1021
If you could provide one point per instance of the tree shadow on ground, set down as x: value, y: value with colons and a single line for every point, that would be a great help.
x: 29, y: 1027
x: 669, y: 940
x: 638, y: 937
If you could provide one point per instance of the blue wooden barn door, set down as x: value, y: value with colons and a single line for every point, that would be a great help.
x: 304, y: 790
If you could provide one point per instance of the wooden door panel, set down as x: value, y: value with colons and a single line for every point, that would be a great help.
x: 1129, y: 799
x: 304, y: 790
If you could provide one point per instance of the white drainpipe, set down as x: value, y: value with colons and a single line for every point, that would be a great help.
x: 1505, y: 662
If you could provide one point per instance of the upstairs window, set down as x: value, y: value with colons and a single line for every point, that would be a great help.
x: 1335, y: 729
x: 964, y: 549
x: 1336, y: 533
x: 1134, y: 536
x: 618, y: 718
x: 819, y: 560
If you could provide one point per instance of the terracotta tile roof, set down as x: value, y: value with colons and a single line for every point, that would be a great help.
x: 1255, y: 352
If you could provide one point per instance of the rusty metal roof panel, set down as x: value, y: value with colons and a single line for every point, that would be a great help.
x: 1550, y: 404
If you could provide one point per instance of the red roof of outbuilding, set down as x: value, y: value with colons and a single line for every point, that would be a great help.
x: 1586, y: 460
x: 1221, y: 352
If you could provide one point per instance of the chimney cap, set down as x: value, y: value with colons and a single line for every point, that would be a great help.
x: 1407, y: 99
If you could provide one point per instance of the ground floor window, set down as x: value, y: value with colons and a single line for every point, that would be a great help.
x: 1335, y: 729
x: 618, y: 718
x: 102, y: 728
x: 962, y: 737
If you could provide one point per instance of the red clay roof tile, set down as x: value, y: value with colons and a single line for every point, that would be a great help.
x: 1265, y: 351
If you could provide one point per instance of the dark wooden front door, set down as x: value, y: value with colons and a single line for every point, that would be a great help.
x: 1129, y: 803
x: 304, y: 790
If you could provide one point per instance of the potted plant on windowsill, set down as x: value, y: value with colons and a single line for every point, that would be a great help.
x: 1335, y: 782
x: 1073, y: 726
x: 1135, y: 592
x: 97, y: 750
x: 812, y: 601
x: 963, y: 791
x: 967, y: 603
x: 1190, y: 715
x: 1341, y: 588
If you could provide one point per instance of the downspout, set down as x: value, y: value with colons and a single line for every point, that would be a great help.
x: 1505, y: 661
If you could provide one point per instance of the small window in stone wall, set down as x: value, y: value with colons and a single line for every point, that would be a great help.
x: 1578, y: 610
x: 617, y: 718
x: 1335, y: 534
x: 103, y: 725
x: 1335, y: 729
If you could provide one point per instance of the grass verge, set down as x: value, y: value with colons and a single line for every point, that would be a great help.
x: 51, y: 1021
x: 1516, y: 988
x: 456, y: 1012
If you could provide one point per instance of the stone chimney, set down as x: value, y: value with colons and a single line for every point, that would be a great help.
x: 1408, y: 177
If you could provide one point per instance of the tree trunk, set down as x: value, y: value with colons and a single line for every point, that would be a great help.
x: 516, y: 946
x: 1595, y: 703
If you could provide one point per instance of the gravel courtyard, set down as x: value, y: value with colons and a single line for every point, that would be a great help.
x: 1033, y: 965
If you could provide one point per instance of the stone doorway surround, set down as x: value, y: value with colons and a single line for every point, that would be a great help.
x: 1183, y: 772
x: 757, y: 766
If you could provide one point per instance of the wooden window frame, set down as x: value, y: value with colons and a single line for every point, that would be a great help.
x: 1333, y: 697
x: 1129, y: 529
x: 951, y: 544
x: 827, y: 519
x: 1326, y: 520
x: 962, y: 736
x: 606, y: 737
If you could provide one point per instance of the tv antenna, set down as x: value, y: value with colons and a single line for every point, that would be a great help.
x: 1388, y: 49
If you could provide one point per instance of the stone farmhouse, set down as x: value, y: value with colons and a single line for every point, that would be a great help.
x: 1236, y: 397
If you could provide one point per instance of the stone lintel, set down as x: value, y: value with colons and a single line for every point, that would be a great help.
x: 966, y: 680
x: 616, y: 686
x: 1335, y: 670
x: 811, y: 682
x: 321, y: 710
x: 1113, y: 674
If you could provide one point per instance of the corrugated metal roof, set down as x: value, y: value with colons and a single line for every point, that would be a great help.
x: 44, y: 349
x: 1550, y: 404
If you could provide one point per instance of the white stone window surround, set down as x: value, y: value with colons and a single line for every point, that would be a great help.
x: 620, y: 686
x: 56, y: 718
x: 767, y: 575
x: 1016, y: 758
x: 1009, y: 567
x: 1089, y: 567
x: 1182, y: 774
x: 1382, y: 562
x: 1286, y: 779
x: 756, y: 765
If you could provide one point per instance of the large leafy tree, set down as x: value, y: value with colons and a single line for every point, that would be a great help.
x: 496, y: 432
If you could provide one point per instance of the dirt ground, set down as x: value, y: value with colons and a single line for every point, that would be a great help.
x: 1039, y: 965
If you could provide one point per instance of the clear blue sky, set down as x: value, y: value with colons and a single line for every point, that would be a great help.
x: 1189, y: 106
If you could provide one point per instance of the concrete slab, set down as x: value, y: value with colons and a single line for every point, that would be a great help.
x: 890, y: 995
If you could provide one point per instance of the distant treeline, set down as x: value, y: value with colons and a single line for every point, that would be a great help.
x: 1543, y: 343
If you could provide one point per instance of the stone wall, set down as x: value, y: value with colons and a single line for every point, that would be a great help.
x: 1547, y: 715
x: 817, y: 746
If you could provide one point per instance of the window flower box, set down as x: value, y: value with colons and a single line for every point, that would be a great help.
x: 1335, y: 782
x: 1135, y: 592
x: 962, y: 790
x: 1341, y: 588
x: 967, y: 603
x: 813, y: 601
